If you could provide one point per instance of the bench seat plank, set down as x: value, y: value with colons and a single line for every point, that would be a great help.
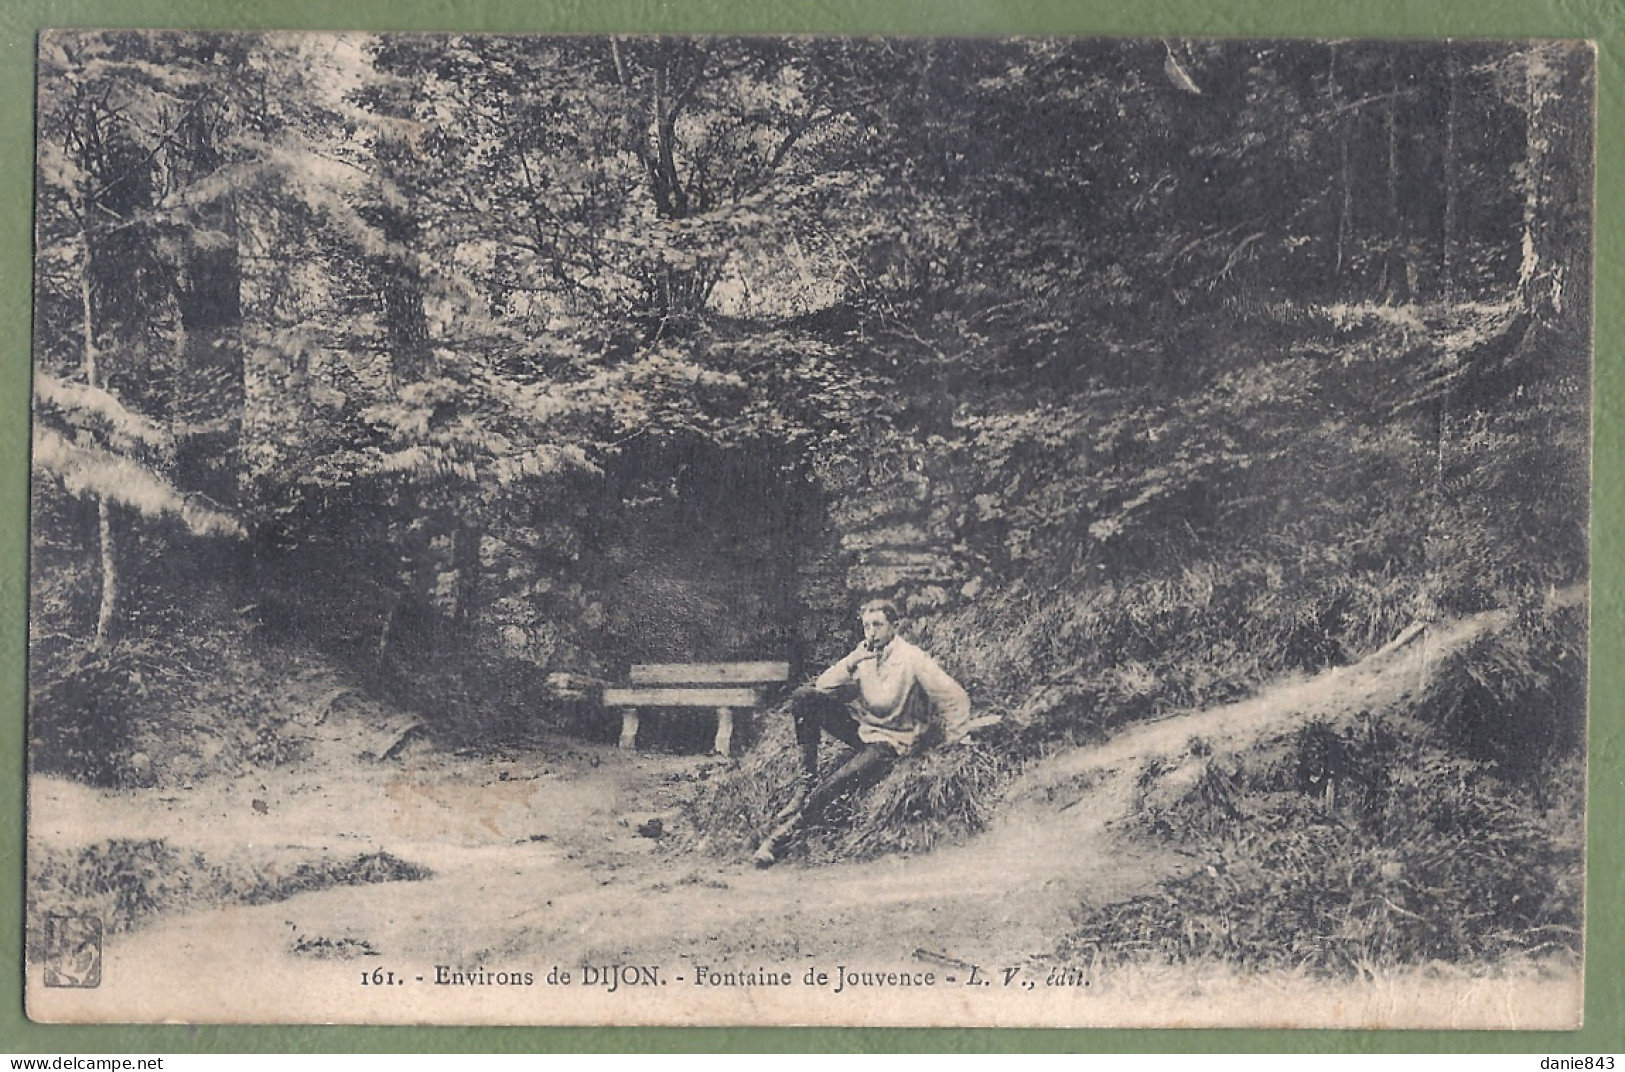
x: 760, y: 673
x: 677, y: 697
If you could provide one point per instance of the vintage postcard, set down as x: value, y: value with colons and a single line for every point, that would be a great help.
x: 809, y: 530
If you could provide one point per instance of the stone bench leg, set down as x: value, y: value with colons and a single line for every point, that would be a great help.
x: 725, y: 731
x: 629, y: 727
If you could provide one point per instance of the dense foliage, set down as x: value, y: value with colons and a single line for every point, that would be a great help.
x: 1140, y: 372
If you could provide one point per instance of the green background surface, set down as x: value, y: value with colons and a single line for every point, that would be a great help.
x: 1598, y: 20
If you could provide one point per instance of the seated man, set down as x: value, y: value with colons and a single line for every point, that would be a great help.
x: 882, y: 699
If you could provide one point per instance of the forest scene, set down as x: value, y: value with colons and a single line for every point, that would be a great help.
x: 1217, y: 413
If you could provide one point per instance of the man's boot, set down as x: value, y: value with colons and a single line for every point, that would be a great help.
x: 798, y: 799
x: 776, y: 844
x: 787, y: 823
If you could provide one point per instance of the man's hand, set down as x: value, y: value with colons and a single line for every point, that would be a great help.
x: 963, y: 733
x: 860, y: 654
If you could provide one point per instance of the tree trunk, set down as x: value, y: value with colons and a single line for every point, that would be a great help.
x: 209, y: 398
x: 1345, y: 208
x: 107, y: 607
x: 673, y: 299
x: 466, y: 560
x: 1397, y: 270
x: 423, y: 514
x: 1447, y: 265
x: 1536, y: 74
x: 1345, y: 214
x: 401, y: 288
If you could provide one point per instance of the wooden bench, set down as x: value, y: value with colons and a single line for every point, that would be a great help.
x: 727, y: 687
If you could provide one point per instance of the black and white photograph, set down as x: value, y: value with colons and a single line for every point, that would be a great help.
x: 809, y: 530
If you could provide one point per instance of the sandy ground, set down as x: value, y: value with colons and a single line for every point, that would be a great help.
x: 539, y: 870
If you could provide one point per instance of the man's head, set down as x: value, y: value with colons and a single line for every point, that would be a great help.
x: 879, y: 618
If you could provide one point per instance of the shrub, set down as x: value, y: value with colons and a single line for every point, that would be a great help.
x: 922, y: 801
x: 127, y: 882
x: 1069, y: 664
x: 1453, y: 831
x: 1455, y: 873
x: 1516, y: 697
x: 80, y: 712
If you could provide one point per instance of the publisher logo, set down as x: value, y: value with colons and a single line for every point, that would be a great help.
x: 73, y: 951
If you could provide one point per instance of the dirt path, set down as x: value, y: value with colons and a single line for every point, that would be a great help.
x: 538, y: 865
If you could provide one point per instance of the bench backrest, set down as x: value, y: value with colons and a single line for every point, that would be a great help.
x: 698, y: 684
x: 767, y: 673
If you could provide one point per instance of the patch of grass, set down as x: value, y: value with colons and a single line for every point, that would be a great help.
x: 254, y: 885
x: 1516, y: 697
x: 924, y: 800
x: 941, y: 795
x: 1070, y: 664
x: 734, y: 809
x: 1295, y: 888
x: 123, y: 881
x: 1451, y: 832
x: 127, y: 882
x: 189, y: 700
x: 322, y: 948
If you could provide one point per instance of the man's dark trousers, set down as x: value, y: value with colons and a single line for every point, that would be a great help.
x: 816, y: 712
